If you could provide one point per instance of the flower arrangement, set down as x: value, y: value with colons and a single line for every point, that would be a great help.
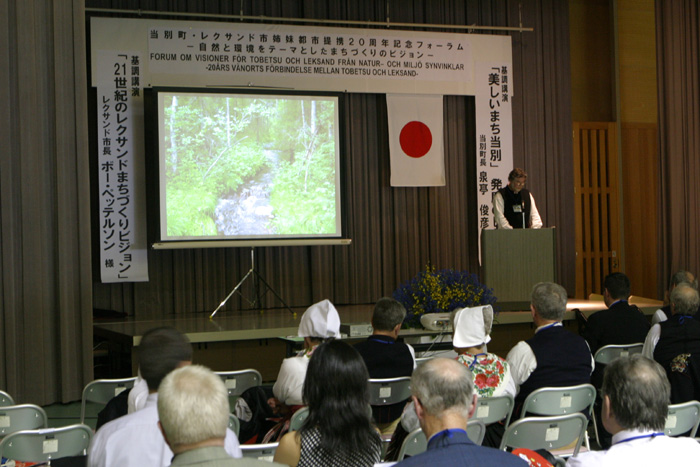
x: 440, y: 291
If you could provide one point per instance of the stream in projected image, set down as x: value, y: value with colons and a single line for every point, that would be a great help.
x: 248, y: 212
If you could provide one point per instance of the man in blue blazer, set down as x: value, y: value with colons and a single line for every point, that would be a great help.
x: 444, y: 396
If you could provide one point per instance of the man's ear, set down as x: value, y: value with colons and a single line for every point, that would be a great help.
x: 472, y: 410
x: 162, y: 431
x: 419, y: 408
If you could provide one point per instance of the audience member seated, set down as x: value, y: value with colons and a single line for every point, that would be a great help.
x: 444, y: 397
x: 135, y: 439
x: 621, y: 323
x: 338, y: 430
x: 680, y: 277
x: 193, y: 411
x: 675, y: 344
x: 318, y: 323
x: 635, y: 406
x: 554, y: 357
x: 387, y: 358
x: 490, y: 373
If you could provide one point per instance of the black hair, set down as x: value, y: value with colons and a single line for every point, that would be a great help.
x: 618, y: 285
x: 161, y: 351
x: 336, y: 389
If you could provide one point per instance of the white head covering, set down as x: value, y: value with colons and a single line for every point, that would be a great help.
x: 469, y: 327
x: 320, y: 320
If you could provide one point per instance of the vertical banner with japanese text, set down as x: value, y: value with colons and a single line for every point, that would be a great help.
x: 494, y: 136
x: 123, y: 256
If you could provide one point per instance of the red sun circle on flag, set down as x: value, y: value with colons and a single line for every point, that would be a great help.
x: 416, y: 139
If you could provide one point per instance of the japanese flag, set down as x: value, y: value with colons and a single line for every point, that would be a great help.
x: 415, y: 140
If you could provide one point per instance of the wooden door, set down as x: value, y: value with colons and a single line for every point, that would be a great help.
x: 596, y: 190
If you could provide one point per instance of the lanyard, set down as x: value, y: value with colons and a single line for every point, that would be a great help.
x: 471, y: 365
x: 448, y: 433
x: 650, y: 435
x: 381, y: 341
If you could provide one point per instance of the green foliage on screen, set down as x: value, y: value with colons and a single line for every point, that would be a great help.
x: 216, y: 144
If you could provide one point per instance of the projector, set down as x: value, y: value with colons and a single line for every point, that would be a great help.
x: 436, y: 321
x: 356, y: 330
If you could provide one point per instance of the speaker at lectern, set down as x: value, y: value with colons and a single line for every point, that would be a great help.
x: 514, y: 260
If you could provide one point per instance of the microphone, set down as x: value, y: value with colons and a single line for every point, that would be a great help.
x: 523, y: 213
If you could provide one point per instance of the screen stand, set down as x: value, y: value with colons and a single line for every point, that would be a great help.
x: 256, y: 285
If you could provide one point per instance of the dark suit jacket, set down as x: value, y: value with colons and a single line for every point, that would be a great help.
x: 459, y: 451
x: 622, y: 323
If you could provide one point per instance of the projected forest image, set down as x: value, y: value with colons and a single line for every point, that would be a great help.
x: 249, y: 166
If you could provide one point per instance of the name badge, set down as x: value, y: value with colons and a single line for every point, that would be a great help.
x: 517, y: 208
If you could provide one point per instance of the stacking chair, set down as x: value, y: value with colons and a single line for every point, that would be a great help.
x: 97, y: 393
x: 264, y: 452
x: 561, y: 401
x: 420, y: 360
x: 6, y: 399
x: 389, y: 391
x: 298, y: 419
x: 607, y: 354
x: 414, y: 444
x: 548, y: 433
x: 494, y: 409
x: 683, y: 418
x: 234, y: 424
x: 21, y: 417
x: 476, y: 430
x: 46, y: 444
x: 237, y: 382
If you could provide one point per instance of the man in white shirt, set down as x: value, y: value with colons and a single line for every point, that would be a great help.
x: 635, y: 405
x: 135, y: 439
x: 514, y: 206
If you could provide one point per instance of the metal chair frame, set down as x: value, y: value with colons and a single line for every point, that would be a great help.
x: 101, y: 391
x: 46, y: 444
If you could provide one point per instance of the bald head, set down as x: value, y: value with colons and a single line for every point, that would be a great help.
x: 684, y: 300
x: 443, y: 386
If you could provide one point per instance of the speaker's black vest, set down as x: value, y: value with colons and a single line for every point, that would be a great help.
x: 510, y: 199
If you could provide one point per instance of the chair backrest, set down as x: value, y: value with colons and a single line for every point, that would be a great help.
x: 6, y: 399
x: 560, y: 401
x: 101, y: 391
x: 298, y: 419
x: 414, y: 444
x: 389, y: 391
x: 494, y: 409
x: 21, y: 417
x: 476, y: 430
x: 237, y: 382
x: 46, y: 444
x: 607, y: 354
x: 683, y: 418
x: 234, y: 424
x: 546, y: 432
x: 264, y: 452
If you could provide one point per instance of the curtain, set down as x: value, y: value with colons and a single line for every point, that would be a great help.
x: 677, y: 48
x: 45, y: 311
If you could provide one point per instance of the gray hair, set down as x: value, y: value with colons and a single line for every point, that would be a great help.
x: 639, y: 392
x: 681, y: 277
x: 193, y: 406
x: 387, y: 314
x: 443, y: 385
x: 685, y: 299
x: 549, y: 300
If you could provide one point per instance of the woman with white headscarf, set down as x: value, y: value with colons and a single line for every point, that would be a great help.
x: 318, y: 323
x: 491, y: 373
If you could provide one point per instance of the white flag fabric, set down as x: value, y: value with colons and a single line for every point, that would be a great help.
x: 415, y: 140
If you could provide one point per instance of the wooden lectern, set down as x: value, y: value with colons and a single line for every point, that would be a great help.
x: 514, y: 260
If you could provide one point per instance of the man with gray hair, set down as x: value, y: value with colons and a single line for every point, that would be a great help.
x: 553, y: 357
x: 675, y: 344
x: 193, y: 412
x: 679, y: 277
x: 635, y: 406
x: 443, y: 394
x: 386, y: 357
